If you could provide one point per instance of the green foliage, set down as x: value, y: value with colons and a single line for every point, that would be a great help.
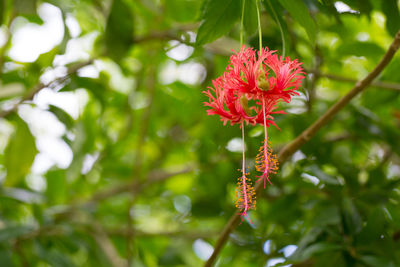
x: 21, y: 151
x: 117, y: 160
x: 301, y: 14
x: 218, y: 18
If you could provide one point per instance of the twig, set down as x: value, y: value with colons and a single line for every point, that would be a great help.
x: 106, y: 245
x: 307, y: 134
x: 29, y: 96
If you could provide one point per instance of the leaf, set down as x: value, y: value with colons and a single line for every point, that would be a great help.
x: 351, y: 216
x: 25, y: 7
x: 374, y: 261
x: 273, y: 7
x: 183, y: 10
x: 20, y: 153
x: 375, y: 227
x: 392, y: 13
x: 367, y: 49
x: 314, y: 249
x: 62, y: 116
x: 2, y: 11
x: 56, y: 186
x: 53, y: 257
x: 310, y: 237
x: 119, y: 30
x: 250, y: 17
x: 11, y: 232
x: 327, y: 179
x: 300, y: 13
x: 218, y: 18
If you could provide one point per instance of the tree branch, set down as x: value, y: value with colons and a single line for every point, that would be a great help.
x: 29, y: 96
x: 307, y: 134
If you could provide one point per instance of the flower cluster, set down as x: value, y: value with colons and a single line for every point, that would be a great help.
x: 264, y: 80
x: 248, y: 92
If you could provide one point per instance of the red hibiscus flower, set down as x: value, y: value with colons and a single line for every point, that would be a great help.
x: 251, y: 79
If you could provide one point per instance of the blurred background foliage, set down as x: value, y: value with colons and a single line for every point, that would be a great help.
x: 107, y: 156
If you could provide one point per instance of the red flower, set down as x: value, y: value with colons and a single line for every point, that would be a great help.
x: 261, y: 77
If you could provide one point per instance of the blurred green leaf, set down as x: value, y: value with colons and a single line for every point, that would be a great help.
x: 391, y: 10
x: 250, y: 17
x: 315, y: 249
x: 25, y: 7
x: 56, y: 190
x: 300, y: 13
x: 218, y: 18
x: 53, y: 257
x: 119, y: 30
x: 15, y: 231
x: 20, y: 153
x: 351, y: 216
x: 62, y: 116
x: 275, y: 10
x: 375, y: 261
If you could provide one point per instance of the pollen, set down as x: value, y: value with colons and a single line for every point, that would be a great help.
x: 245, y: 195
x: 266, y: 162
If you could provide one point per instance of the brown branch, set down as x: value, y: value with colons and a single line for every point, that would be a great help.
x: 29, y: 96
x: 384, y: 85
x: 307, y: 134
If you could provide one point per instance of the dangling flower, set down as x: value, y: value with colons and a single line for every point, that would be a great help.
x: 248, y: 92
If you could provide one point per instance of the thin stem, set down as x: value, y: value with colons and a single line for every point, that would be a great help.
x: 246, y: 206
x: 259, y: 25
x: 244, y: 164
x: 265, y: 121
x: 241, y: 24
x: 265, y: 141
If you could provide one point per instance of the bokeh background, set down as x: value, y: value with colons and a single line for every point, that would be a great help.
x: 107, y: 156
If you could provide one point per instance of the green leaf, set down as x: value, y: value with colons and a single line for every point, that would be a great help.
x: 62, y: 116
x: 375, y: 227
x: 392, y: 13
x: 11, y: 232
x: 310, y: 237
x: 183, y: 10
x: 2, y: 11
x: 250, y: 17
x: 25, y: 7
x: 20, y: 153
x: 119, y: 30
x: 314, y: 249
x: 300, y: 13
x: 53, y: 257
x: 352, y: 218
x: 56, y: 186
x: 273, y: 7
x: 374, y: 261
x: 218, y: 18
